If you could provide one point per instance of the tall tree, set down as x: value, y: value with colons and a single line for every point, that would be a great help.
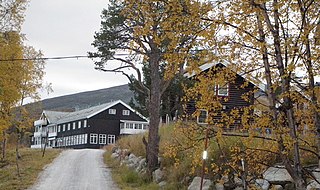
x: 274, y: 41
x: 161, y: 33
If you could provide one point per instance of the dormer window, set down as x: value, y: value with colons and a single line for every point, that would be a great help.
x: 112, y: 111
x: 125, y: 112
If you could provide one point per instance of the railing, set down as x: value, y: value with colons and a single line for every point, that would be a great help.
x: 131, y: 131
x: 52, y: 134
x: 40, y: 134
x: 40, y: 122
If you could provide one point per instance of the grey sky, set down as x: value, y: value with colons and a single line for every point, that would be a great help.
x: 64, y: 28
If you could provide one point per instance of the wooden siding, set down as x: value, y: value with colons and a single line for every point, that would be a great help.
x: 101, y: 123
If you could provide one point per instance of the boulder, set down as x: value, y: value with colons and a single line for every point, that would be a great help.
x: 195, y: 184
x: 238, y: 188
x: 219, y: 186
x: 289, y: 186
x: 313, y: 185
x: 262, y: 184
x: 162, y: 184
x: 157, y: 176
x: 277, y: 187
x: 114, y: 155
x: 277, y: 175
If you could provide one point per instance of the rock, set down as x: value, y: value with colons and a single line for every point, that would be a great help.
x: 114, y: 149
x: 195, y: 184
x: 157, y: 176
x: 219, y: 186
x: 289, y: 186
x: 162, y: 184
x: 279, y: 176
x: 262, y: 184
x: 238, y: 181
x: 114, y: 155
x: 141, y: 165
x: 316, y: 174
x: 313, y: 185
x: 238, y: 188
x: 277, y: 187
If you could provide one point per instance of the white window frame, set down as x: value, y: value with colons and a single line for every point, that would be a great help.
x: 224, y: 87
x: 64, y: 127
x: 85, y: 138
x: 102, y: 138
x: 69, y: 126
x: 112, y: 111
x: 79, y: 124
x: 74, y: 125
x: 111, y: 139
x: 85, y: 123
x: 198, y: 117
x: 93, y: 138
x: 125, y: 112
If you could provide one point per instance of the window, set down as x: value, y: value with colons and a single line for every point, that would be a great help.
x: 111, y: 139
x: 85, y: 138
x: 202, y: 118
x: 125, y: 112
x: 130, y: 125
x: 112, y: 111
x: 93, y: 138
x: 223, y: 90
x: 69, y: 126
x: 63, y: 127
x: 145, y: 126
x: 74, y: 125
x: 79, y: 124
x: 102, y: 138
x: 85, y: 123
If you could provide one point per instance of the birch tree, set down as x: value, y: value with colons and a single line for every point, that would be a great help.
x: 274, y: 42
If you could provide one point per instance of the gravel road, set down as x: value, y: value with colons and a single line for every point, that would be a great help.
x: 76, y: 170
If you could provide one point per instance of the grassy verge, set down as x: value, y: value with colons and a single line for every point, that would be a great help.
x: 31, y: 164
x: 125, y: 178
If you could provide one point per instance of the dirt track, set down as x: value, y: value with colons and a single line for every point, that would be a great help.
x: 76, y: 170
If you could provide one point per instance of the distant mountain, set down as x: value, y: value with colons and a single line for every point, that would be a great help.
x: 82, y: 100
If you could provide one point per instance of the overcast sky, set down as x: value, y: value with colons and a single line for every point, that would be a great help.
x: 66, y: 28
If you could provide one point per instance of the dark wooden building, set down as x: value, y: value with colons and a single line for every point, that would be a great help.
x: 89, y: 128
x: 230, y: 95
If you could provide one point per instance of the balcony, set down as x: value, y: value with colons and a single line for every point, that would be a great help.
x: 40, y: 134
x: 40, y: 122
x: 52, y: 134
x: 131, y: 131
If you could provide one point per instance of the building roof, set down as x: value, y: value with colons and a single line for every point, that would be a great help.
x: 249, y: 78
x: 64, y: 117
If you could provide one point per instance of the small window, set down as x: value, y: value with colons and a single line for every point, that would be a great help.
x: 63, y: 127
x: 102, y: 138
x: 85, y: 138
x: 125, y: 112
x: 59, y: 128
x: 85, y: 123
x: 112, y: 111
x: 93, y: 138
x: 69, y: 126
x: 202, y: 118
x: 79, y: 124
x: 111, y: 139
x: 74, y: 125
x: 223, y: 90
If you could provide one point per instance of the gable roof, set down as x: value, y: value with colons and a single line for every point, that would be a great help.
x: 64, y: 117
x: 249, y: 78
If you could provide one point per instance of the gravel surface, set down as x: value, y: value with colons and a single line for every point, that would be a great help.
x: 76, y: 170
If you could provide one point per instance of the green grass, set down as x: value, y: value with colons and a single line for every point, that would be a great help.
x: 125, y: 178
x: 31, y: 164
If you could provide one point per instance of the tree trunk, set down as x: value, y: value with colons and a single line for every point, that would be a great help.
x: 154, y: 110
x: 18, y: 154
x: 4, y: 142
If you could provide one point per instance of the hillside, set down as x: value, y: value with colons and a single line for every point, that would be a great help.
x: 82, y: 100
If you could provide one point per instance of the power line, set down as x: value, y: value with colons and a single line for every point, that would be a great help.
x: 55, y: 58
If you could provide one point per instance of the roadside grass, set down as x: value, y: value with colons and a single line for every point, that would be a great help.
x: 31, y: 164
x: 126, y: 178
